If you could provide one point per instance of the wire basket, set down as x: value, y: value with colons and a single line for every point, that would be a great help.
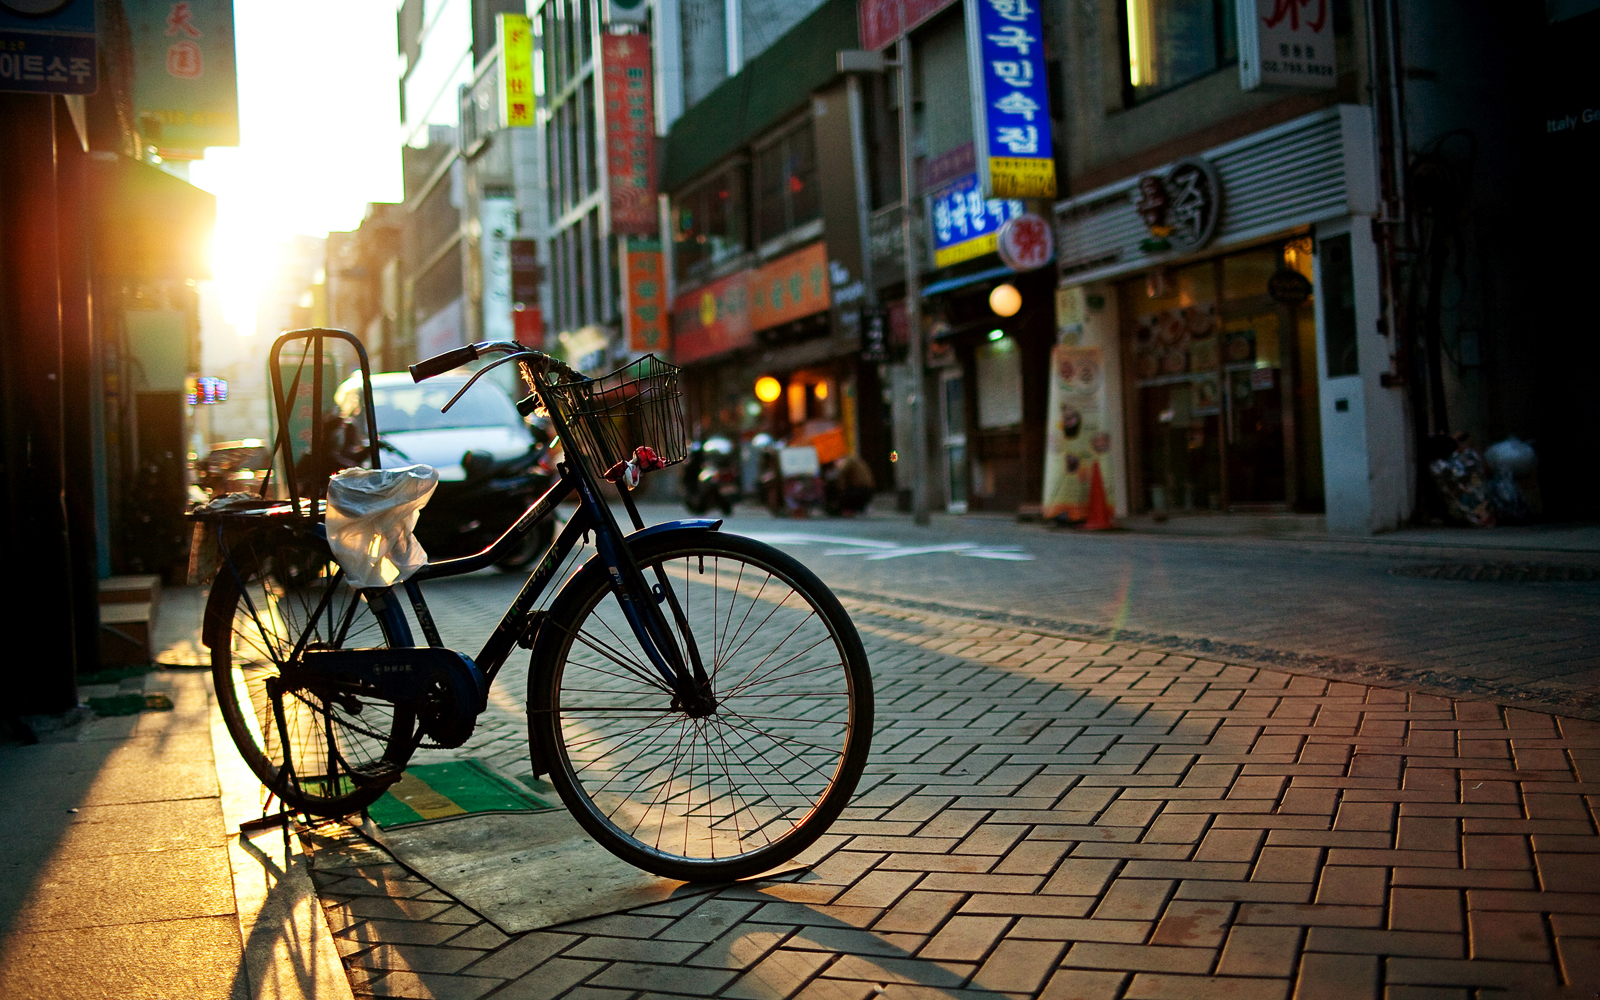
x: 638, y: 405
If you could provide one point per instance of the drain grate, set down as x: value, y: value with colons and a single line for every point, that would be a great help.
x: 1500, y: 572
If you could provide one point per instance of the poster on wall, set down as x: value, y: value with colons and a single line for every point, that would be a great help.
x: 515, y: 32
x: 1078, y: 432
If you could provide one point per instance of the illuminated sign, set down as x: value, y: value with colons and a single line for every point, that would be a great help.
x: 965, y: 224
x: 1011, y: 98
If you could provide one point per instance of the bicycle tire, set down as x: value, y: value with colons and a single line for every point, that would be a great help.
x: 252, y: 641
x: 767, y: 772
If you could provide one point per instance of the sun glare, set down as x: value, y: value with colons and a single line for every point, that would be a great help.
x: 316, y: 145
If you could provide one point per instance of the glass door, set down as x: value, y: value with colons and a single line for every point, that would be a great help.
x: 953, y: 430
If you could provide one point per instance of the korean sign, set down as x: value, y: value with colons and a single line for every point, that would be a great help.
x: 47, y: 47
x: 790, y: 287
x: 965, y: 225
x: 645, y: 291
x: 1011, y: 99
x: 1286, y: 43
x: 515, y: 34
x: 712, y: 319
x: 185, y: 88
x: 883, y: 21
x: 630, y: 133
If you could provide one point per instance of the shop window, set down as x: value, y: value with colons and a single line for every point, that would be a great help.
x: 1339, y: 307
x: 1171, y: 42
x: 709, y: 224
x: 786, y: 183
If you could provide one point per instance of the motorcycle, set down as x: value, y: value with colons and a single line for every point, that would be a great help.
x: 711, y: 476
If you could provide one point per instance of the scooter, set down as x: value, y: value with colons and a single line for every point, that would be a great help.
x: 711, y: 477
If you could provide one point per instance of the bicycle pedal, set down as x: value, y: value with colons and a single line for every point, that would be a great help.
x: 378, y: 774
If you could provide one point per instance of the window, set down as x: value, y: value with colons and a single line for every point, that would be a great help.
x: 1171, y: 42
x: 1339, y: 307
x: 786, y: 183
x: 708, y: 224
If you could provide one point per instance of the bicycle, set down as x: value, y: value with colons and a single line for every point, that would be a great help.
x: 701, y: 701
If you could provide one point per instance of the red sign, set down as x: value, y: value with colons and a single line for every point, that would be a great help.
x: 527, y: 324
x: 713, y: 319
x: 1026, y: 242
x: 646, y: 291
x: 883, y: 21
x: 630, y: 133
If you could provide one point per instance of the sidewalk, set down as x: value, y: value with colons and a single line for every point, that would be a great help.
x: 1066, y: 820
x: 125, y: 875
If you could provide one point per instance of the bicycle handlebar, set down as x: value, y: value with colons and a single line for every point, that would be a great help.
x: 439, y: 364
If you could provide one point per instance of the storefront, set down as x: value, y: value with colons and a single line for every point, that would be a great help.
x: 775, y: 325
x: 1229, y: 302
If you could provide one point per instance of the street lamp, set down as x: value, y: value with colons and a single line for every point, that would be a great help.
x: 1005, y: 300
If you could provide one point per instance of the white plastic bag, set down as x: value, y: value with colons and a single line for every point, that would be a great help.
x: 370, y: 516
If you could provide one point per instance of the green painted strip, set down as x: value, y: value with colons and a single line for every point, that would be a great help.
x: 470, y: 784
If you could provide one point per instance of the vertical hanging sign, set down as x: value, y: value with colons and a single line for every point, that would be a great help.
x: 185, y: 86
x: 515, y: 35
x: 646, y: 295
x: 1286, y: 43
x: 48, y: 47
x: 1010, y: 99
x: 630, y: 133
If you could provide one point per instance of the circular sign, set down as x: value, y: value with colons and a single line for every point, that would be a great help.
x: 1026, y: 242
x: 1181, y: 210
x: 1289, y: 287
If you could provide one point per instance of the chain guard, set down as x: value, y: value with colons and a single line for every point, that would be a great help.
x: 443, y: 687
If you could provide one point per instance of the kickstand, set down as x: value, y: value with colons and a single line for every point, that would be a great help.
x: 268, y: 820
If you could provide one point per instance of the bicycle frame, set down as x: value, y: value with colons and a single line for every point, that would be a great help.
x: 644, y: 615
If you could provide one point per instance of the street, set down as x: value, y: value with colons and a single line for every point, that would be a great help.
x: 1304, y: 603
x: 1063, y: 817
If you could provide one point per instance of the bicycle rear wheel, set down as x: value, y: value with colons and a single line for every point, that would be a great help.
x: 322, y: 752
x: 735, y: 791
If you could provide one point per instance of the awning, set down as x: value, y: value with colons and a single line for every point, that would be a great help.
x: 148, y: 223
x: 963, y: 280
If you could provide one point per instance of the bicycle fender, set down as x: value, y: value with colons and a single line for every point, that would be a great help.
x: 687, y: 524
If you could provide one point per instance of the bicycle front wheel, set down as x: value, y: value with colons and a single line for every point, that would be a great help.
x: 735, y: 787
x: 327, y: 753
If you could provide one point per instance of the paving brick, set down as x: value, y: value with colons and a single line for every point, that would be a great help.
x: 1358, y: 941
x: 1353, y: 886
x: 965, y: 938
x: 1412, y: 909
x: 1018, y: 966
x: 918, y: 912
x: 427, y: 984
x: 1223, y: 844
x: 1138, y: 958
x: 663, y: 978
x: 1192, y: 923
x: 1259, y: 951
x: 1522, y: 977
x: 780, y: 974
x: 1337, y: 977
x: 1580, y: 962
x: 878, y: 889
x: 1080, y: 984
x: 1133, y: 899
x: 1514, y: 937
x: 1154, y: 986
x: 1309, y: 915
x: 1080, y: 878
x: 1287, y: 864
x: 1071, y: 929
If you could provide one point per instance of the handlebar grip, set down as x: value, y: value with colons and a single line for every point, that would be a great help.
x: 527, y: 404
x: 442, y: 363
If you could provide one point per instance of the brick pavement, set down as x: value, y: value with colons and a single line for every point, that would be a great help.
x: 1054, y: 818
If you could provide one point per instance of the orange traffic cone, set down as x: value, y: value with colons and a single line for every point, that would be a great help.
x: 1099, y: 510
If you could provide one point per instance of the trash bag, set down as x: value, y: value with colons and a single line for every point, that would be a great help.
x: 1463, y: 481
x: 371, y: 514
x: 1512, y: 489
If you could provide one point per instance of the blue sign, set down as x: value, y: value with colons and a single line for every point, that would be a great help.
x: 965, y: 225
x: 1015, y: 120
x: 47, y: 47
